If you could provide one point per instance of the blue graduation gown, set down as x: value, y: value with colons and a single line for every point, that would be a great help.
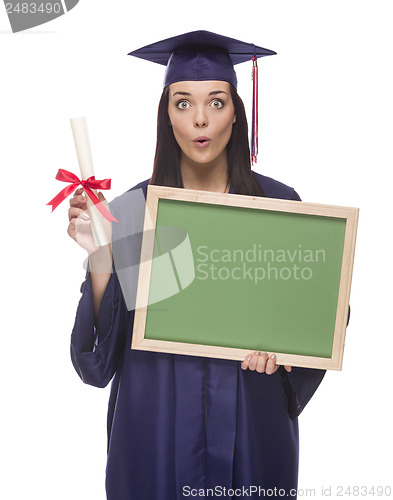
x: 178, y: 425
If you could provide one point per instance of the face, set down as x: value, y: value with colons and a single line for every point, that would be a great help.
x: 202, y: 116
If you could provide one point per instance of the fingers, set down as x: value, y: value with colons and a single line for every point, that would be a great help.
x: 71, y: 230
x: 261, y: 362
x: 102, y: 199
x: 271, y: 366
x: 78, y: 200
x: 77, y: 223
x: 246, y: 361
x: 74, y: 213
x: 251, y: 361
x: 255, y: 361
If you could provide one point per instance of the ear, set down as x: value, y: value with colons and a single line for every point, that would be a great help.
x: 234, y: 119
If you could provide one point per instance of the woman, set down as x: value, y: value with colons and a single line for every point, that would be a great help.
x: 179, y: 425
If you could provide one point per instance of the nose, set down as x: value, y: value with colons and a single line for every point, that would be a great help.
x: 200, y: 119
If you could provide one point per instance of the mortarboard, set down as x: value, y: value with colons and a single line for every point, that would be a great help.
x: 202, y: 55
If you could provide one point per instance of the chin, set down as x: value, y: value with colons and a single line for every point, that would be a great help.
x: 204, y: 162
x: 205, y: 158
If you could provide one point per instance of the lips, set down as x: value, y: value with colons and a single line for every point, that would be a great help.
x: 202, y: 141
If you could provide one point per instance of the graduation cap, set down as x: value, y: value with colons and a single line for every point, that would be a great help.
x: 202, y: 55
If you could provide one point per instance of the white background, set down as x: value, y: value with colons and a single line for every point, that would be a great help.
x: 326, y: 111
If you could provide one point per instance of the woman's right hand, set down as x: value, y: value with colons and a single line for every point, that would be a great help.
x: 100, y: 258
x: 79, y: 227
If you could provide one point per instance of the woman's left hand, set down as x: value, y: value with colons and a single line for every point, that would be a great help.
x: 262, y: 363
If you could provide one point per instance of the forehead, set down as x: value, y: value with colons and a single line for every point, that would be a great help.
x: 200, y: 87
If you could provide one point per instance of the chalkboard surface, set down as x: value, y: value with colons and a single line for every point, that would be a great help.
x: 261, y: 276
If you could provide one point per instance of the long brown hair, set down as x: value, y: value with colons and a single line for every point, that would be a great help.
x: 166, y: 170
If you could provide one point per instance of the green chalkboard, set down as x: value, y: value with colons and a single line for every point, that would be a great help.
x: 245, y: 278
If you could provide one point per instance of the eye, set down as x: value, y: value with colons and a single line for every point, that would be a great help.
x: 183, y: 105
x: 217, y: 104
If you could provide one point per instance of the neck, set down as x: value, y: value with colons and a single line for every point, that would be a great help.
x: 205, y: 176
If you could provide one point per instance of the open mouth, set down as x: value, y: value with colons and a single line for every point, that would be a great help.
x: 202, y: 142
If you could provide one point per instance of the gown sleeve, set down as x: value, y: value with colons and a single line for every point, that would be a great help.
x: 299, y: 386
x: 96, y: 349
x: 295, y: 196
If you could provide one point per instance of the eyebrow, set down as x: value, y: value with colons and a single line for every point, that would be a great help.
x: 213, y: 92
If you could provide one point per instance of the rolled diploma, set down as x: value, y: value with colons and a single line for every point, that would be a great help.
x: 82, y: 146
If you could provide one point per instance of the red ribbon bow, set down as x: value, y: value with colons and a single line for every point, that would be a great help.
x: 88, y: 185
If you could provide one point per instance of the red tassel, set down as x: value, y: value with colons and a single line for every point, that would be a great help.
x: 254, y: 126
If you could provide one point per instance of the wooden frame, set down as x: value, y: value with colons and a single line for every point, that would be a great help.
x: 157, y: 193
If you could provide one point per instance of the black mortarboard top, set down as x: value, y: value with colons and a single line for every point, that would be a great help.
x: 202, y: 55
